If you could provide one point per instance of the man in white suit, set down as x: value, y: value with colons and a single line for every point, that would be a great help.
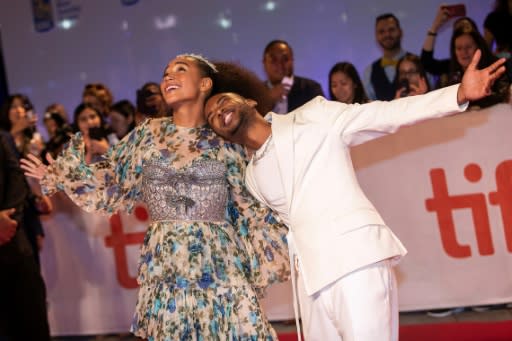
x: 301, y: 168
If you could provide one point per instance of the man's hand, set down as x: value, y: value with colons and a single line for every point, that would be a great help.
x: 477, y: 83
x: 278, y: 92
x: 98, y: 147
x: 7, y: 225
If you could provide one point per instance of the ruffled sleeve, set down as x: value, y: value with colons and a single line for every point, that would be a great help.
x: 105, y: 186
x: 261, y: 230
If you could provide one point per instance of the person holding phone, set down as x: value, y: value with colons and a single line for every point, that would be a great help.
x: 411, y: 78
x: 90, y: 123
x: 18, y: 119
x: 17, y: 116
x: 441, y: 67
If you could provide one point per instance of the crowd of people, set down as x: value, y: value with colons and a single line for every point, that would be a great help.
x: 205, y: 263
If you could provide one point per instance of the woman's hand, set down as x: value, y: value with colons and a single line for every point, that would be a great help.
x: 442, y: 16
x: 98, y: 147
x: 419, y: 89
x: 34, y: 168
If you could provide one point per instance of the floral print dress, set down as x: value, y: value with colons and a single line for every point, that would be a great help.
x: 211, y: 248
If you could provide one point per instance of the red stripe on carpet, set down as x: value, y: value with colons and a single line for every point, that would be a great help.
x: 467, y: 331
x: 287, y: 336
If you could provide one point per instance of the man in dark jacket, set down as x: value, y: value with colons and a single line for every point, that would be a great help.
x: 287, y: 90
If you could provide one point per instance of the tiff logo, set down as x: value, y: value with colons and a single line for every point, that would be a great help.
x: 443, y: 204
x: 119, y: 240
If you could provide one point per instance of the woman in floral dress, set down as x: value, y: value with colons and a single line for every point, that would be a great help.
x: 211, y: 248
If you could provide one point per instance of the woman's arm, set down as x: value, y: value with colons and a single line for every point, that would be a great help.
x: 431, y: 65
x: 104, y: 186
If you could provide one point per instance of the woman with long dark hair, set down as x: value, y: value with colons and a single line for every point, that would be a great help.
x: 345, y: 84
x: 210, y: 247
x: 464, y: 43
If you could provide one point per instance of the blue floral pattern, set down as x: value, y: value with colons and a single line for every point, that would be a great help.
x: 199, y: 280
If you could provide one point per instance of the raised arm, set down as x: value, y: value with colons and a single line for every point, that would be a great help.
x: 441, y: 18
x: 431, y: 65
x: 104, y: 186
x: 359, y: 123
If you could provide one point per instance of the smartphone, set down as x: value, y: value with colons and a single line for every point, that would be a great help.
x: 287, y: 84
x: 404, y: 84
x: 97, y: 133
x: 457, y: 10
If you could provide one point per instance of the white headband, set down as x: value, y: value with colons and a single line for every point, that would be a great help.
x: 200, y: 58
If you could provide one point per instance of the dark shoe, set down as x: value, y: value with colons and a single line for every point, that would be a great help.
x: 444, y: 312
x: 484, y: 308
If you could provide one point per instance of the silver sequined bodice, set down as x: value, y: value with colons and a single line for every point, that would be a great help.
x: 196, y: 192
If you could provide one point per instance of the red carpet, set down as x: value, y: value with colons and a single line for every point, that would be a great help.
x: 470, y: 331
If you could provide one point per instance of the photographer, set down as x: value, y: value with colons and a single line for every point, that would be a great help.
x: 410, y: 78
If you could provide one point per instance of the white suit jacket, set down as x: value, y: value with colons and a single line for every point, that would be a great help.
x: 335, y: 228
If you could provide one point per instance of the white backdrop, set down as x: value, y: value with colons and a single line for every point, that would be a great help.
x: 90, y: 264
x: 126, y: 46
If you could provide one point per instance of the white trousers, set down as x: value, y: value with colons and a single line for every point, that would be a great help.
x: 361, y: 306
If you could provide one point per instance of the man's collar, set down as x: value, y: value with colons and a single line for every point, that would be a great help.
x: 270, y: 86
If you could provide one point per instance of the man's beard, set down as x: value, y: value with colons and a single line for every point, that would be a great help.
x: 239, y: 133
x: 394, y: 46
